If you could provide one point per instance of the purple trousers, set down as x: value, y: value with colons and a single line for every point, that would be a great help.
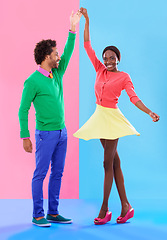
x: 51, y: 147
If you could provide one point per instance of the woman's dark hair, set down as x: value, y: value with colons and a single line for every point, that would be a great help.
x: 114, y: 49
x: 42, y: 49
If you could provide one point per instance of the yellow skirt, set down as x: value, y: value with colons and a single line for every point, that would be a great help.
x: 106, y: 123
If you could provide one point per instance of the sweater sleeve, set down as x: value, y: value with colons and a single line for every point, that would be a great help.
x: 68, y: 50
x: 129, y: 88
x: 28, y: 96
x: 92, y: 56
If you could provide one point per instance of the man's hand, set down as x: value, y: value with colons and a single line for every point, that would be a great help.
x: 27, y: 145
x: 74, y: 19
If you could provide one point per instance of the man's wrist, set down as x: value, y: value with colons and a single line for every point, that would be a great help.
x: 73, y: 28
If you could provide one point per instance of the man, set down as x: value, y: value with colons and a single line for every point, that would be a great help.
x: 44, y: 88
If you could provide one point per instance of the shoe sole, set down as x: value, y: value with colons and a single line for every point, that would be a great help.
x: 52, y: 221
x: 42, y: 225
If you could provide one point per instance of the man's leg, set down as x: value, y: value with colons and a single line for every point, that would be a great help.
x: 43, y: 154
x: 57, y: 168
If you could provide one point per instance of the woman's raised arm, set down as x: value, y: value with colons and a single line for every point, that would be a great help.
x: 86, y: 30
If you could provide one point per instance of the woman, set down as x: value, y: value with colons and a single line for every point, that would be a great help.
x: 108, y: 123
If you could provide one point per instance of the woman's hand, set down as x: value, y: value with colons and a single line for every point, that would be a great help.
x: 154, y: 116
x: 74, y: 20
x: 84, y: 12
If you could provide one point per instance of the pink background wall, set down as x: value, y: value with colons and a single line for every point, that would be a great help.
x: 23, y: 24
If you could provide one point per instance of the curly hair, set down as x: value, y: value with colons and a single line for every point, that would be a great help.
x: 114, y: 49
x: 42, y: 49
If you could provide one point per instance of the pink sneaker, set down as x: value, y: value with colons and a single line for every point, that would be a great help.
x: 101, y: 221
x: 129, y: 214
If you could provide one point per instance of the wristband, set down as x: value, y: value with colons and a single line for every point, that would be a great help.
x: 72, y: 32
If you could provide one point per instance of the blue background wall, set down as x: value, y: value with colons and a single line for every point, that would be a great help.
x: 138, y: 29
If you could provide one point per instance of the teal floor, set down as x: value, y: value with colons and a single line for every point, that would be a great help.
x: 149, y: 223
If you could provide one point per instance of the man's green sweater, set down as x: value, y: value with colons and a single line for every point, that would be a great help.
x: 46, y: 95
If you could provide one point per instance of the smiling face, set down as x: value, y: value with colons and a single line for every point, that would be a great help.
x: 53, y: 58
x: 110, y: 61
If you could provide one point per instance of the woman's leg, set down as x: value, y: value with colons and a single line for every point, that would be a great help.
x: 119, y: 180
x: 110, y: 147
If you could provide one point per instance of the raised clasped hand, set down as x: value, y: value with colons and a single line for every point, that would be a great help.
x: 74, y: 18
x: 84, y: 12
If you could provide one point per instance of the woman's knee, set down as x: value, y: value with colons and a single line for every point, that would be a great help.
x: 117, y: 162
x: 116, y: 165
x: 108, y: 162
x: 109, y: 153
